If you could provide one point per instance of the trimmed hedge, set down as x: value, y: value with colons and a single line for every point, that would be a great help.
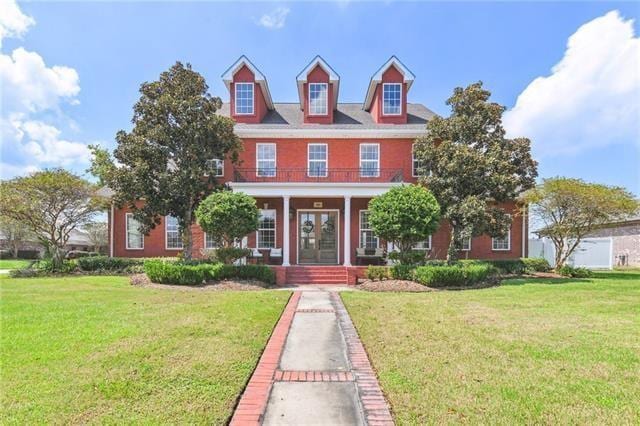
x: 570, y: 271
x: 403, y: 272
x: 171, y: 272
x: 535, y: 264
x: 456, y: 275
x: 514, y: 266
x: 377, y: 272
x: 111, y: 264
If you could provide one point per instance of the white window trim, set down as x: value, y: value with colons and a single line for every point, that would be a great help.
x: 422, y: 248
x: 326, y: 161
x: 377, y: 161
x: 204, y: 242
x: 469, y: 249
x: 391, y: 113
x: 275, y: 158
x: 326, y: 106
x: 275, y: 230
x: 253, y: 97
x: 508, y: 242
x: 222, y: 168
x: 360, y: 229
x: 126, y: 233
x: 166, y: 240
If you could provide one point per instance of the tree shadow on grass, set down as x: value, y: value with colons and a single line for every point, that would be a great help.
x: 547, y: 281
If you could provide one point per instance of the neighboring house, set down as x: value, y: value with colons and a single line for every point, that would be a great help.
x: 78, y: 240
x: 625, y: 240
x: 313, y: 166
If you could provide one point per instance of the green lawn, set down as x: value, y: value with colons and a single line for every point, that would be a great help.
x: 97, y: 350
x: 14, y: 263
x: 530, y: 351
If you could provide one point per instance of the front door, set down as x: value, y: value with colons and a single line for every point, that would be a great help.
x: 318, y: 237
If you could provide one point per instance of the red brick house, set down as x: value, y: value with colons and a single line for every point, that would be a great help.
x: 313, y: 166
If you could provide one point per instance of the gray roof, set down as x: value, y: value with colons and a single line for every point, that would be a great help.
x: 346, y: 116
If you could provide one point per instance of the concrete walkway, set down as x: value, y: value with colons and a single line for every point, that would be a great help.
x: 318, y: 374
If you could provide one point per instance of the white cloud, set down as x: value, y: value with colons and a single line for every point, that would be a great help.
x: 30, y: 134
x: 591, y: 98
x: 29, y: 85
x: 13, y: 23
x: 275, y: 19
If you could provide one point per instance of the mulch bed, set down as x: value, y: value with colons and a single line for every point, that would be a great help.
x: 141, y: 280
x: 393, y: 285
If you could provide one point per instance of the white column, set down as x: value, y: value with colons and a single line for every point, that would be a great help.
x: 347, y: 230
x: 285, y: 231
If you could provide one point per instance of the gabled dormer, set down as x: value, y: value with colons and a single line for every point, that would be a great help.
x: 318, y: 86
x: 386, y: 98
x: 248, y: 92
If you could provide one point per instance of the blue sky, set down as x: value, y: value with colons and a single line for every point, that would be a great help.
x: 582, y: 115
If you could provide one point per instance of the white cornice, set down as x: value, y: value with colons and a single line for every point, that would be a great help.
x: 311, y: 189
x: 316, y: 133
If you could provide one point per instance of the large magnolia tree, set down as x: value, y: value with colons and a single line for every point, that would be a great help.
x: 471, y: 167
x: 51, y: 204
x: 568, y: 209
x: 165, y: 159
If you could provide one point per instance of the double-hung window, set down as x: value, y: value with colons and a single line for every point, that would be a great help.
x: 417, y: 165
x: 244, y: 98
x: 266, y: 159
x: 368, y: 239
x: 318, y: 100
x: 266, y: 235
x: 209, y: 242
x: 466, y: 244
x: 423, y: 245
x: 135, y: 239
x: 392, y: 98
x: 215, y: 167
x: 501, y: 243
x: 172, y: 233
x: 318, y: 158
x: 369, y: 160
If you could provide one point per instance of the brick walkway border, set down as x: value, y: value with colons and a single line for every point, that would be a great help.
x: 376, y: 410
x: 254, y: 399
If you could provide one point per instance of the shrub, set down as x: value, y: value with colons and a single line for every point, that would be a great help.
x: 26, y: 273
x: 169, y: 272
x: 402, y: 272
x: 377, y: 272
x: 228, y: 255
x: 110, y: 264
x: 48, y: 266
x: 247, y: 272
x: 456, y: 275
x: 508, y: 266
x: 535, y: 264
x: 570, y: 271
x: 410, y: 257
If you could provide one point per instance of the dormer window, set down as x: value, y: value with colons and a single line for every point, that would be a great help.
x: 318, y: 98
x: 392, y: 98
x: 244, y: 98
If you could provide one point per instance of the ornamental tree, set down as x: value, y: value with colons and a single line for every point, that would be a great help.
x: 470, y: 166
x: 165, y: 159
x: 227, y: 217
x: 51, y: 204
x: 404, y: 215
x: 568, y: 209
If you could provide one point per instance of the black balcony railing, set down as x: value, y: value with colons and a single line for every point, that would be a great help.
x: 315, y: 175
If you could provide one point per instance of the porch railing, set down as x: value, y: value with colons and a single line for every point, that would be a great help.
x: 314, y: 175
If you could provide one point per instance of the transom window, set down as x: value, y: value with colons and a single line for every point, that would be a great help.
x: 318, y: 159
x: 172, y: 233
x: 392, y: 98
x: 215, y: 167
x: 367, y: 237
x: 418, y: 166
x: 266, y: 235
x: 318, y: 98
x: 135, y: 238
x: 369, y: 160
x: 423, y: 245
x: 266, y: 159
x: 244, y: 98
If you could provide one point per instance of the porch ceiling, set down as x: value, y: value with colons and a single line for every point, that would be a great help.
x: 307, y: 189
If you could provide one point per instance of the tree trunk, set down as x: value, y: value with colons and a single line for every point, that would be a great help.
x: 454, y: 246
x: 187, y: 237
x: 57, y: 257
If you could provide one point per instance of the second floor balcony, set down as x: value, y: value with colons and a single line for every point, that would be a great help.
x: 330, y: 175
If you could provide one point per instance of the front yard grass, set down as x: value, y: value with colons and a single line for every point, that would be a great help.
x: 14, y: 263
x: 97, y: 350
x: 530, y: 351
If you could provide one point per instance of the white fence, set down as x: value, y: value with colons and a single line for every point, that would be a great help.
x: 592, y: 253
